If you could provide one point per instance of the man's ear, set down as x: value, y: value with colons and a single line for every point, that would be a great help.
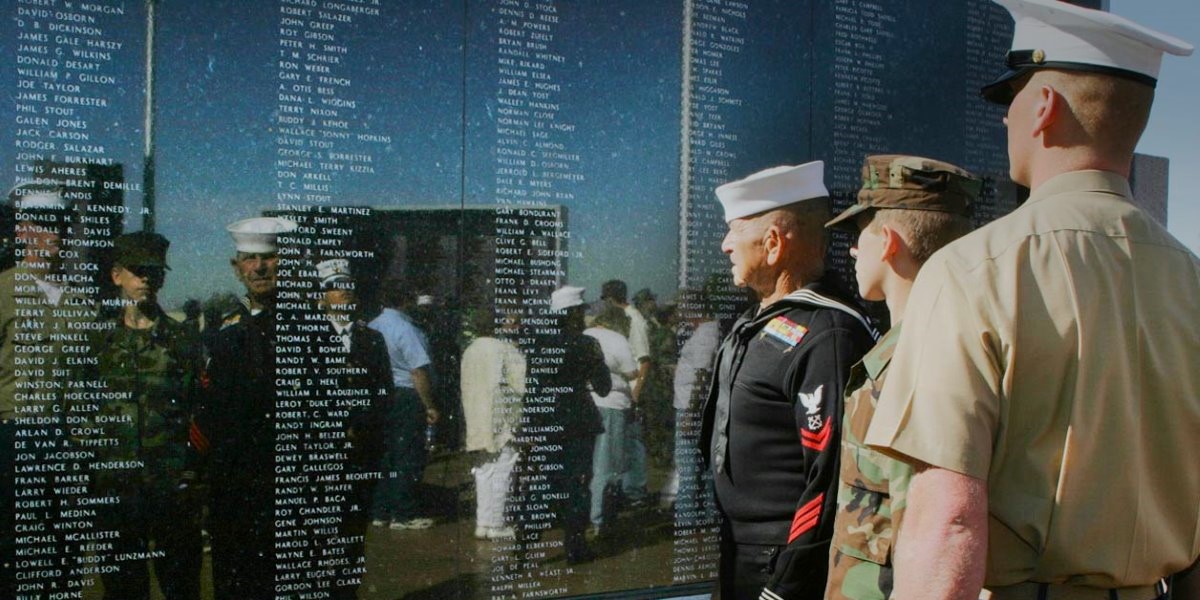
x: 113, y: 273
x: 773, y: 242
x: 1047, y: 109
x: 893, y: 244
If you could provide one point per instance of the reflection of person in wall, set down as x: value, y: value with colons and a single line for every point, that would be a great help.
x: 441, y: 326
x: 355, y: 362
x: 572, y: 424
x: 633, y: 482
x: 34, y: 284
x: 693, y: 371
x: 771, y: 421
x: 395, y: 503
x: 154, y: 363
x: 236, y: 417
x: 609, y: 459
x: 655, y: 397
x: 493, y: 382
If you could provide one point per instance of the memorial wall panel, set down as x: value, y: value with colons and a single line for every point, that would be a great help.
x: 281, y: 279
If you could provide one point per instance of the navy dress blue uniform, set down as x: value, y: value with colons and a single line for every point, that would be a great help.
x: 770, y: 433
x: 236, y: 417
x: 364, y: 367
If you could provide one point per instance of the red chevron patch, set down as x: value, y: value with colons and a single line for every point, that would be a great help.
x: 806, y: 517
x: 818, y: 440
x: 197, y: 438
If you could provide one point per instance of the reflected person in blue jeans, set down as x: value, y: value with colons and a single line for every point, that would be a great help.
x: 395, y: 502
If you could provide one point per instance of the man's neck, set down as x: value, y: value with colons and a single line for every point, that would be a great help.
x: 897, y: 300
x: 784, y: 284
x: 136, y: 318
x: 37, y: 267
x: 258, y: 303
x: 1052, y: 163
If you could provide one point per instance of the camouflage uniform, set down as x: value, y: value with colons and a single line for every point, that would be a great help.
x: 872, y: 491
x: 151, y: 379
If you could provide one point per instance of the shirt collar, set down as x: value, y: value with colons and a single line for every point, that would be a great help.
x: 878, y: 358
x: 340, y: 329
x: 1082, y: 181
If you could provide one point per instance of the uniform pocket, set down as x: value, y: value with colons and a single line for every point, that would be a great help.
x: 869, y: 533
x: 867, y: 527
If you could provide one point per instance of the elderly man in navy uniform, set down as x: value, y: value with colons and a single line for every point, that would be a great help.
x: 1045, y: 386
x: 236, y: 419
x: 770, y: 427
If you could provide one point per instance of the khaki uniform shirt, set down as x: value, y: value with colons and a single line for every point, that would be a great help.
x: 872, y: 490
x: 1055, y: 353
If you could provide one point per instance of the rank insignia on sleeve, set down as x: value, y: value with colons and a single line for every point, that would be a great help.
x: 812, y: 402
x: 785, y: 330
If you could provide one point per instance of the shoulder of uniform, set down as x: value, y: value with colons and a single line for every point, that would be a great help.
x: 175, y: 328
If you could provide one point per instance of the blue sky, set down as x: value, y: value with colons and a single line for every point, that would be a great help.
x: 1174, y: 130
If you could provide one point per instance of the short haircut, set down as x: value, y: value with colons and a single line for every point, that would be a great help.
x: 924, y: 231
x: 614, y: 318
x: 1112, y: 111
x: 805, y: 222
x: 614, y: 289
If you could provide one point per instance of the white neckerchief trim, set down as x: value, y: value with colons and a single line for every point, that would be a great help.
x: 811, y: 297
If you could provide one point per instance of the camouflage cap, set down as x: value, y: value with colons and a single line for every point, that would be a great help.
x: 141, y: 249
x: 912, y: 183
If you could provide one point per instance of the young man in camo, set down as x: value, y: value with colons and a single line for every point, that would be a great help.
x: 907, y: 209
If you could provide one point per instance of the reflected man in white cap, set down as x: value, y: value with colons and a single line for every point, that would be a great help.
x: 236, y: 418
x: 1045, y: 386
x: 256, y: 263
x: 770, y: 426
x: 355, y: 365
x: 572, y: 425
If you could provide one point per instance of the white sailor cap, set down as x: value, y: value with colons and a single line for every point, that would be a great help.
x: 1051, y: 34
x: 257, y: 235
x: 773, y: 188
x: 334, y: 269
x: 38, y: 196
x: 565, y: 297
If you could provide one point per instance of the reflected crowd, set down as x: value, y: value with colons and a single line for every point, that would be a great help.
x: 252, y: 445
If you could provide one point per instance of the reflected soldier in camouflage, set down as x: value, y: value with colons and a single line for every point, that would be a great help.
x: 908, y: 207
x: 151, y: 368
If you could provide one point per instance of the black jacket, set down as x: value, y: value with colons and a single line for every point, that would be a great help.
x: 771, y: 428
